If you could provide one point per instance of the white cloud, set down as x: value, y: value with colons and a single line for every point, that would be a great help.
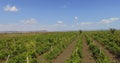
x: 10, y: 8
x: 60, y: 25
x: 29, y: 21
x: 110, y: 20
x: 60, y: 22
x: 6, y: 25
x: 95, y: 25
x: 75, y: 21
x: 19, y: 27
x: 9, y: 27
x: 24, y: 26
x: 86, y: 23
x: 103, y: 21
x: 76, y: 18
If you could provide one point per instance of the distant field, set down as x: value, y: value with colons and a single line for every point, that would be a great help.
x: 61, y: 47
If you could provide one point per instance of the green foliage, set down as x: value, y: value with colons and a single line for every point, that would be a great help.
x: 21, y: 46
x: 97, y: 53
x: 111, y: 42
x: 112, y: 30
x: 50, y: 45
x: 80, y: 31
x: 76, y: 57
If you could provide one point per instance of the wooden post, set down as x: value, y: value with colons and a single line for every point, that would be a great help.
x: 27, y: 60
x: 8, y: 58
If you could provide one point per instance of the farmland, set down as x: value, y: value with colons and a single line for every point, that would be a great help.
x: 61, y: 47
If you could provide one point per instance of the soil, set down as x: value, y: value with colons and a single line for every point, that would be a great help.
x: 2, y: 61
x: 41, y: 59
x: 110, y: 55
x: 66, y: 53
x: 87, y: 56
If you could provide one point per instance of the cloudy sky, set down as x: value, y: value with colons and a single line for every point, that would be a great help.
x: 59, y: 15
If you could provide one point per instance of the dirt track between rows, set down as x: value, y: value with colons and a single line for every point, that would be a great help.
x: 110, y: 55
x: 87, y: 57
x: 66, y: 53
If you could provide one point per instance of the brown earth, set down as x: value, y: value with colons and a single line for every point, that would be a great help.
x: 1, y: 61
x: 66, y: 53
x: 110, y: 55
x: 87, y: 56
x: 41, y: 59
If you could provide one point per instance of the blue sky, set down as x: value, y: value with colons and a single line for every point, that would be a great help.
x: 59, y: 15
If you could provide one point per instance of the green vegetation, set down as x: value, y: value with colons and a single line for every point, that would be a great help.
x: 112, y: 30
x: 97, y: 53
x: 80, y: 31
x: 111, y: 42
x: 59, y: 44
x: 27, y: 47
x: 76, y: 57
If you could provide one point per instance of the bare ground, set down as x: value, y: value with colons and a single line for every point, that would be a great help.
x: 1, y: 61
x: 66, y: 53
x: 87, y: 56
x: 110, y: 55
x: 41, y: 59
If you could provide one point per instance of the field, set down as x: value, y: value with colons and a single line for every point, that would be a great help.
x: 61, y: 47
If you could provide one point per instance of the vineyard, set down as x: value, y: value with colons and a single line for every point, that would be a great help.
x: 61, y: 47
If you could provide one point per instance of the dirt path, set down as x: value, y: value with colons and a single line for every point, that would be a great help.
x: 87, y: 57
x: 66, y: 53
x: 111, y: 56
x: 41, y: 59
x: 1, y: 61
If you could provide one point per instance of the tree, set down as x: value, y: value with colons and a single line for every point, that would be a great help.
x: 80, y: 31
x: 112, y: 30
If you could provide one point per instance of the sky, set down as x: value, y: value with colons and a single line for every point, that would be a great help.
x: 59, y: 15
